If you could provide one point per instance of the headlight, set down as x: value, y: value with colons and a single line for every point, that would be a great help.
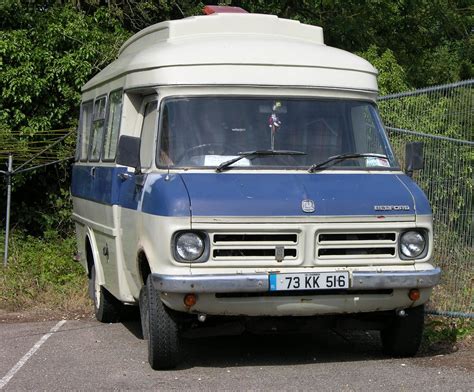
x: 412, y: 244
x: 189, y: 246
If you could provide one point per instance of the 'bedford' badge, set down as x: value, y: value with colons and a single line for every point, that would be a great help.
x: 308, y: 205
x: 392, y: 208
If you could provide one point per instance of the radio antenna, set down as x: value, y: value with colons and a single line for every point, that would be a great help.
x: 179, y: 8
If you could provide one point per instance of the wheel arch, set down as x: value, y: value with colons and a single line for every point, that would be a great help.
x: 92, y: 256
x: 143, y: 266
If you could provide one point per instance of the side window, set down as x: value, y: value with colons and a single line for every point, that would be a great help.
x: 113, y: 125
x: 166, y: 144
x: 148, y: 132
x: 84, y: 129
x: 97, y: 129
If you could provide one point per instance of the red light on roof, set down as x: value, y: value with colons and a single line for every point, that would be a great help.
x: 222, y: 9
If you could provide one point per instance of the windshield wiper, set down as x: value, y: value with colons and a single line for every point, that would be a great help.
x: 227, y: 164
x: 341, y: 157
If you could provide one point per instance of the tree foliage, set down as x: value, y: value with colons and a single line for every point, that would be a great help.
x: 430, y: 39
x: 392, y: 77
x: 46, y: 54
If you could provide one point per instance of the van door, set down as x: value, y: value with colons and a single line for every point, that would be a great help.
x: 131, y: 191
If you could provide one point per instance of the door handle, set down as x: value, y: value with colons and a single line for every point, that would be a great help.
x: 92, y: 172
x: 124, y: 176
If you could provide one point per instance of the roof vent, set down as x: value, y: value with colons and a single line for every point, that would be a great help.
x: 222, y: 9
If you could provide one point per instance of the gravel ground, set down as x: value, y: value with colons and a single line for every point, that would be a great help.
x: 87, y: 355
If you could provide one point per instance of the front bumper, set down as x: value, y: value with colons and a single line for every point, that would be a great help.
x: 252, y: 283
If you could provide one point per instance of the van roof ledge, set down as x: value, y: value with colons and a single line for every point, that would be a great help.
x: 217, y: 24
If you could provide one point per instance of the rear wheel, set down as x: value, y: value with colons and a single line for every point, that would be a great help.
x: 402, y: 337
x: 106, y: 306
x: 164, y: 343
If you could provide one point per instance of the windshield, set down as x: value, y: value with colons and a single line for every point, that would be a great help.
x: 207, y: 131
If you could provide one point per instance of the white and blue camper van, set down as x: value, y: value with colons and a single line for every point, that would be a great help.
x: 234, y: 166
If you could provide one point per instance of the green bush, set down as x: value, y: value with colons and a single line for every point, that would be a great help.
x: 41, y: 273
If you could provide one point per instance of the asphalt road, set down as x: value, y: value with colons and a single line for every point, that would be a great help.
x: 87, y: 355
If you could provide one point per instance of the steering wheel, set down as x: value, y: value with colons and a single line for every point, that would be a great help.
x: 206, y: 147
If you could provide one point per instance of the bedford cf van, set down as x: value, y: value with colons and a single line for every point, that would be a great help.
x: 233, y: 167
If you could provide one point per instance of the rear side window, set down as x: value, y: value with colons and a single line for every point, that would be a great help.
x: 85, y: 122
x: 113, y: 125
x: 97, y: 129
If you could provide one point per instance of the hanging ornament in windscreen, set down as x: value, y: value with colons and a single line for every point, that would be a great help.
x: 274, y: 122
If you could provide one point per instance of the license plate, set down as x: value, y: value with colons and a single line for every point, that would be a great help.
x: 309, y: 281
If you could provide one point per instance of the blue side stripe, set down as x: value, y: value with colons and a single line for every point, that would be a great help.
x: 238, y: 194
x: 102, y: 185
x: 159, y: 197
x: 166, y: 197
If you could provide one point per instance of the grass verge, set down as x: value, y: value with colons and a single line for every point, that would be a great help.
x: 42, y: 278
x: 445, y: 334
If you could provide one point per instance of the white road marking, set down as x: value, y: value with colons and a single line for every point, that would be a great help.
x: 4, y: 381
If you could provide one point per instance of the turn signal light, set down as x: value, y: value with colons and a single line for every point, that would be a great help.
x: 190, y: 300
x: 414, y: 294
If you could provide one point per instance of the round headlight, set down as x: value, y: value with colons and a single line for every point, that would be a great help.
x: 412, y: 244
x: 189, y: 246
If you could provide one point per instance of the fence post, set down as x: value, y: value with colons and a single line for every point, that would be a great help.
x: 9, y: 196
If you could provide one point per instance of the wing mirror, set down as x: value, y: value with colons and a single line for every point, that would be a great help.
x: 413, y: 157
x: 129, y: 152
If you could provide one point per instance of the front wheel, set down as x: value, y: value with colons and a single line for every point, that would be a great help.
x: 106, y: 306
x: 164, y: 343
x: 402, y: 337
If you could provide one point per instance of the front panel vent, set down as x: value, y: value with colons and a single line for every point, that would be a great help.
x: 255, y: 246
x: 252, y: 253
x: 357, y: 237
x: 356, y: 251
x: 363, y: 247
x: 273, y: 238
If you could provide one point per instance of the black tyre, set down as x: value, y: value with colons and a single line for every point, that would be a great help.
x: 107, y: 307
x: 164, y: 343
x: 144, y: 314
x: 402, y: 337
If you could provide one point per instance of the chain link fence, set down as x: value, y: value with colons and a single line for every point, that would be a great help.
x: 442, y: 118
